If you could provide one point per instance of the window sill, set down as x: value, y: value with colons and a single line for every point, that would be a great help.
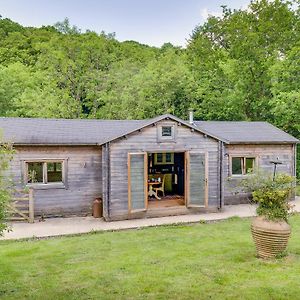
x: 239, y: 176
x: 46, y: 186
x: 166, y: 141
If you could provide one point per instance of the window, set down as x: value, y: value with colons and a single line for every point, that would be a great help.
x: 54, y: 172
x: 159, y: 158
x: 169, y: 157
x: 163, y: 158
x: 44, y: 172
x: 166, y: 131
x: 35, y: 172
x: 236, y: 166
x: 242, y: 165
x: 249, y: 165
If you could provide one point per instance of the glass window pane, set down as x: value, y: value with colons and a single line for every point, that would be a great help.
x: 166, y: 131
x: 35, y: 172
x: 236, y: 166
x: 51, y: 167
x: 58, y: 166
x: 54, y: 172
x: 249, y: 164
x: 168, y: 157
x: 159, y: 157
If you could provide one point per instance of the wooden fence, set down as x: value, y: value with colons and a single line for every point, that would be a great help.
x: 21, y: 208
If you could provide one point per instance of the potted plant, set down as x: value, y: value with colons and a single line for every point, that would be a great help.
x: 270, y: 229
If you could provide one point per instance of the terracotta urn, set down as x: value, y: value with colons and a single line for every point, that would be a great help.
x: 270, y: 237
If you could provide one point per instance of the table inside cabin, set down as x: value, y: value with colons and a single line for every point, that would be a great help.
x: 151, y: 191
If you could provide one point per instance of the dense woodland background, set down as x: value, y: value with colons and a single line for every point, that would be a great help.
x: 244, y: 65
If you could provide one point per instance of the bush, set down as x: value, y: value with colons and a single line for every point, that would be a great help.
x: 270, y: 194
x: 6, y: 153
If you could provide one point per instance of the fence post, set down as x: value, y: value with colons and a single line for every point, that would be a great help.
x: 31, y: 206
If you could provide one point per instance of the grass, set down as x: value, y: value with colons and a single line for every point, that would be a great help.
x: 202, y: 261
x: 298, y: 190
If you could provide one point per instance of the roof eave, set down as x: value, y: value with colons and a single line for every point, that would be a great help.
x: 57, y: 144
x: 262, y: 142
x: 174, y: 118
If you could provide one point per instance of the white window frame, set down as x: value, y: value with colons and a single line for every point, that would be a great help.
x: 45, y: 184
x: 243, y: 157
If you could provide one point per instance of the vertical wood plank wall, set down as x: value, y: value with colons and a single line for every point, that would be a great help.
x: 264, y: 154
x: 93, y: 172
x: 84, y: 178
x: 146, y: 141
x: 197, y: 181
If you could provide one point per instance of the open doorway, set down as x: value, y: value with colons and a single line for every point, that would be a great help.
x: 166, y: 179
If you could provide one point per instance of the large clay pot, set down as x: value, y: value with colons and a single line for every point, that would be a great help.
x: 270, y: 237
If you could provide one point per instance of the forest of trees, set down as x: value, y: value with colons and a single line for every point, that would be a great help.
x: 244, y: 65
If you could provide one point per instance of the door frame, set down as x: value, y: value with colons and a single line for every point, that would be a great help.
x: 187, y: 178
x: 168, y: 151
x: 145, y: 181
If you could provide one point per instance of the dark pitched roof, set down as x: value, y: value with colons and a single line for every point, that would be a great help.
x: 27, y: 131
x: 34, y: 131
x: 64, y: 131
x: 246, y: 132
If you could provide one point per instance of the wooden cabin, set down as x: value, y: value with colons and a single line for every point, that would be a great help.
x: 141, y: 168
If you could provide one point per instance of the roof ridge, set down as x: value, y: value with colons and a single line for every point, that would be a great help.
x: 79, y: 119
x: 219, y: 121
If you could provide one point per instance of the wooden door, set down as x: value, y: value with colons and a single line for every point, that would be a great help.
x: 137, y: 182
x: 196, y: 186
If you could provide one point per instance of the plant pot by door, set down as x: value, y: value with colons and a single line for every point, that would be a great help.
x: 270, y: 237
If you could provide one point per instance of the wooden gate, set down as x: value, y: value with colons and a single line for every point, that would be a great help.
x: 21, y: 208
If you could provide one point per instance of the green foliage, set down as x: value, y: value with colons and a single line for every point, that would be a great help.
x: 6, y: 153
x: 66, y: 28
x: 271, y: 194
x: 234, y: 54
x: 243, y: 65
x: 298, y: 190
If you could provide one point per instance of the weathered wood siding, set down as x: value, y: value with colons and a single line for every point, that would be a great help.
x: 197, y: 179
x: 83, y: 178
x: 264, y: 154
x: 146, y: 141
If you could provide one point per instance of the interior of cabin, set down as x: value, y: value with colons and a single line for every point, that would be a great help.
x: 165, y: 179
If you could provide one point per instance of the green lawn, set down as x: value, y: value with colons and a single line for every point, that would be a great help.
x: 298, y: 190
x: 203, y: 261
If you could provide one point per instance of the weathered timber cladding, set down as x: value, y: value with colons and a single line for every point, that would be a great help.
x: 197, y: 179
x: 146, y: 141
x: 137, y: 181
x: 83, y: 176
x: 263, y: 154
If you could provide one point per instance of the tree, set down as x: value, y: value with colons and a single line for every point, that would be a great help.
x: 232, y: 55
x: 243, y: 65
x: 285, y: 102
x: 133, y: 90
x: 66, y: 28
x: 23, y: 92
x: 6, y: 153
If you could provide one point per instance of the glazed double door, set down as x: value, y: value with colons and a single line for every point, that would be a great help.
x: 196, y: 180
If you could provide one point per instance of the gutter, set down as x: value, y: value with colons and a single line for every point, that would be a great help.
x: 56, y: 145
x: 264, y: 143
x: 221, y: 151
x: 106, y: 175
